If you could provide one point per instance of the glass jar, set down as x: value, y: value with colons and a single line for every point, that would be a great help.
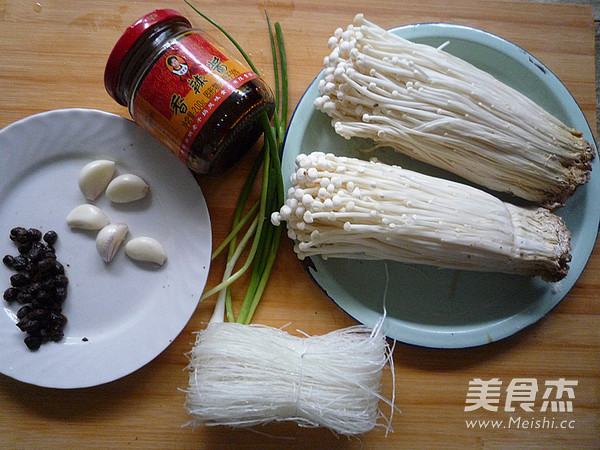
x: 183, y: 88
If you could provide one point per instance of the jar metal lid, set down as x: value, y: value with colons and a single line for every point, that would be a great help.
x: 127, y: 40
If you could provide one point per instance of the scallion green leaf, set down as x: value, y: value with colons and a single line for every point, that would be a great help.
x: 264, y: 236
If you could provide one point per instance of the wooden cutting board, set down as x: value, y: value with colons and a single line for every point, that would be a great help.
x: 52, y: 55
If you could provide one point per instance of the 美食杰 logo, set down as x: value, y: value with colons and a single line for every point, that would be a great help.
x: 544, y: 402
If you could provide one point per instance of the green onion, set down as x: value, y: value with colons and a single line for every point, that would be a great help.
x: 260, y: 234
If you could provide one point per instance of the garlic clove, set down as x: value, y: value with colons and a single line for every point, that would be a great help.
x: 127, y: 188
x: 146, y: 249
x: 94, y: 177
x: 87, y: 217
x: 109, y: 240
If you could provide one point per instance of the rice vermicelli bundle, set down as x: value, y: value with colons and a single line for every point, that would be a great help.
x: 246, y: 375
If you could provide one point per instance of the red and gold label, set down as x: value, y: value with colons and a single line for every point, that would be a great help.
x: 183, y: 88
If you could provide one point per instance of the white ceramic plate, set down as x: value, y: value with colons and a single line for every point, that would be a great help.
x: 121, y: 315
x: 448, y: 308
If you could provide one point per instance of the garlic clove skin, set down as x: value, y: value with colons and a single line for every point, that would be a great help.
x: 127, y: 188
x: 87, y: 217
x: 146, y: 249
x: 109, y: 240
x: 94, y: 177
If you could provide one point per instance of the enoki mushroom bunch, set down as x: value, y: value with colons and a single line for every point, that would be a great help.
x: 246, y: 375
x: 437, y: 108
x: 341, y: 207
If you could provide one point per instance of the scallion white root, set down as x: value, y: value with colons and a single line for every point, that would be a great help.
x: 437, y: 108
x: 247, y: 375
x: 349, y: 208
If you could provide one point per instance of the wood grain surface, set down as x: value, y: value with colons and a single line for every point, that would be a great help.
x: 52, y: 55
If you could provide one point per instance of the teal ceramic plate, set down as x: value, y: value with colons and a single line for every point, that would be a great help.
x: 442, y: 308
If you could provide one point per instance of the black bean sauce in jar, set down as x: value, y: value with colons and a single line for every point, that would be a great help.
x: 184, y: 89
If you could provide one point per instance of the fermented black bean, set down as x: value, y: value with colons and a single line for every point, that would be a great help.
x: 50, y: 237
x: 40, y: 284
